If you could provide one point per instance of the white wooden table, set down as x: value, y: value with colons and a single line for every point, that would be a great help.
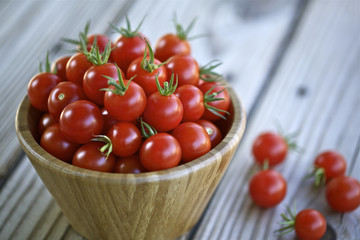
x: 296, y: 62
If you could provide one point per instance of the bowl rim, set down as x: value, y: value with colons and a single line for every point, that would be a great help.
x: 45, y: 159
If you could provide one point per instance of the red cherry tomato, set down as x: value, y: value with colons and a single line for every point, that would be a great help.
x: 126, y: 107
x: 160, y: 151
x: 54, y: 142
x: 45, y: 121
x: 332, y: 163
x: 192, y: 100
x: 80, y: 121
x: 267, y: 188
x: 343, y: 193
x: 209, y: 88
x: 101, y: 41
x: 60, y: 66
x: 144, y: 78
x: 185, y: 67
x: 89, y: 156
x: 130, y: 164
x: 61, y: 95
x: 310, y: 224
x: 39, y: 89
x: 76, y: 68
x: 170, y: 45
x: 125, y: 138
x: 94, y: 80
x: 108, y: 120
x: 127, y: 49
x: 213, y: 131
x: 193, y: 139
x: 270, y: 147
x: 164, y: 113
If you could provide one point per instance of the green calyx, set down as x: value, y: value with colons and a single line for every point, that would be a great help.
x: 169, y: 87
x: 120, y: 87
x: 288, y: 221
x: 148, y: 63
x: 181, y: 32
x: 47, y: 65
x: 95, y: 57
x: 211, y: 97
x: 320, y: 176
x: 207, y: 72
x: 107, y: 148
x: 82, y: 42
x: 127, y: 32
x: 147, y: 130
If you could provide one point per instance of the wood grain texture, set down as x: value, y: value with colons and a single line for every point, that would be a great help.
x: 156, y: 205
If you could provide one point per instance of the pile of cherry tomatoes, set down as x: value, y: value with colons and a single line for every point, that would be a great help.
x: 267, y: 187
x: 123, y: 107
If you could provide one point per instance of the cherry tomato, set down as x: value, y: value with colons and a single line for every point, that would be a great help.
x: 310, y: 224
x: 343, y: 193
x: 126, y: 107
x: 185, y: 67
x: 267, y: 188
x: 54, y: 142
x: 332, y: 163
x: 127, y: 49
x: 101, y: 41
x: 160, y: 151
x: 108, y: 120
x: 61, y: 95
x: 45, y: 121
x: 94, y: 80
x: 170, y: 45
x: 192, y: 100
x: 76, y: 68
x: 213, y: 90
x: 60, y: 66
x: 125, y: 138
x: 90, y: 157
x: 39, y: 89
x: 213, y: 131
x: 193, y: 139
x: 144, y: 78
x: 164, y: 113
x: 130, y: 164
x: 270, y: 147
x: 80, y: 121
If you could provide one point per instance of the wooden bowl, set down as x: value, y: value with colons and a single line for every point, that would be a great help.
x: 155, y: 205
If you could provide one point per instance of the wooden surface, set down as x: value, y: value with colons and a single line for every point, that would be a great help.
x: 295, y: 62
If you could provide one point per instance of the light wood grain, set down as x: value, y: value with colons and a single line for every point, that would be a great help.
x: 156, y: 205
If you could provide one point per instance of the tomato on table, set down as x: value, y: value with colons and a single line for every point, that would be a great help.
x: 80, y: 121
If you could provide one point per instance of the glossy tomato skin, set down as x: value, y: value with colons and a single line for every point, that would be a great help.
x: 126, y: 107
x: 55, y: 143
x: 108, y: 120
x: 185, y: 67
x: 193, y: 139
x: 170, y: 45
x: 80, y: 121
x: 130, y: 164
x: 267, y: 188
x: 164, y: 113
x: 343, y: 193
x: 89, y: 156
x: 62, y: 95
x: 144, y: 78
x: 220, y: 104
x: 94, y: 80
x: 60, y: 66
x: 101, y: 41
x: 45, y: 121
x: 192, y: 100
x: 213, y: 131
x: 160, y: 151
x: 333, y: 163
x: 76, y: 68
x: 125, y: 138
x: 310, y: 224
x: 127, y: 50
x: 271, y: 147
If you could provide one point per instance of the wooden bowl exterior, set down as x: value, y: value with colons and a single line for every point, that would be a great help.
x: 156, y: 205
